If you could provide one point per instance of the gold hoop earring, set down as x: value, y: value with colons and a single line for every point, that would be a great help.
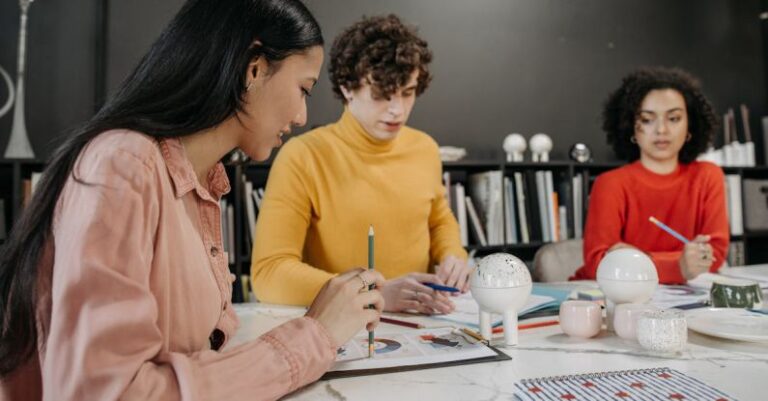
x: 633, y: 140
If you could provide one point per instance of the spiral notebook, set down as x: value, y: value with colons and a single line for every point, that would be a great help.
x: 644, y: 384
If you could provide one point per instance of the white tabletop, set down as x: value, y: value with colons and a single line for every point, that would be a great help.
x: 739, y: 369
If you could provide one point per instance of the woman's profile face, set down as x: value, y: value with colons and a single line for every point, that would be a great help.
x: 276, y: 101
x: 661, y: 126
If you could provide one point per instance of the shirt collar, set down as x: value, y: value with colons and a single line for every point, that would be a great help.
x: 183, y: 175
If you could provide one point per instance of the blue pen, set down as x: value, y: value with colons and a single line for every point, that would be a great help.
x: 669, y: 230
x: 438, y: 287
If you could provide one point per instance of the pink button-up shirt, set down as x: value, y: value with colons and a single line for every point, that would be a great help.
x: 135, y: 287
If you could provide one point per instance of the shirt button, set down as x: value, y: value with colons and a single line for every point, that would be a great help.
x: 214, y: 251
x: 216, y: 339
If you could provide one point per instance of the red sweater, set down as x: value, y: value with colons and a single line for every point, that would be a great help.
x: 691, y: 200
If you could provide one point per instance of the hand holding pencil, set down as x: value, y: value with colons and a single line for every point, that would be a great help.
x: 698, y: 255
x: 341, y: 307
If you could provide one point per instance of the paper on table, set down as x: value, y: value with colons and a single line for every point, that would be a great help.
x: 467, y: 311
x: 671, y: 296
x: 410, y: 348
x: 705, y: 280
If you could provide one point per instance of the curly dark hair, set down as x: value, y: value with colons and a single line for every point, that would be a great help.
x: 384, y: 48
x: 623, y: 107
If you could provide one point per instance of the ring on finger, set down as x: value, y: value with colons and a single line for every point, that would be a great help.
x: 365, y: 283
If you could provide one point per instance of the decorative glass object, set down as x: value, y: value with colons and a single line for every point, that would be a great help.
x: 18, y: 145
x: 501, y: 284
x: 626, y: 275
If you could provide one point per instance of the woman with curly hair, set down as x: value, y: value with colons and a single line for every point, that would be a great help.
x: 660, y: 121
x: 328, y: 186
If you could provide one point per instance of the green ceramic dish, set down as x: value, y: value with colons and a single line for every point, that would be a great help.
x: 736, y: 294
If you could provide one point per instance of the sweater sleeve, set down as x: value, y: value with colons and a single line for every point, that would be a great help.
x: 605, y: 221
x: 104, y: 341
x: 713, y: 220
x: 278, y: 273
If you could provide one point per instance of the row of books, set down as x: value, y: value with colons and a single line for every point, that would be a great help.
x: 27, y: 189
x: 228, y: 228
x: 733, y: 203
x: 28, y: 186
x: 252, y: 201
x: 525, y: 207
x: 736, y: 254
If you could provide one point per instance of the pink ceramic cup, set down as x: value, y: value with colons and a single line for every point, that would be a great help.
x: 625, y: 319
x: 581, y: 319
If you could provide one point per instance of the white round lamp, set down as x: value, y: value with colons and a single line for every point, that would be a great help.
x: 514, y: 145
x: 626, y: 275
x: 501, y: 284
x: 541, y: 145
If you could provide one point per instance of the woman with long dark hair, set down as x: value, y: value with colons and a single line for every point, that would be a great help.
x: 113, y: 283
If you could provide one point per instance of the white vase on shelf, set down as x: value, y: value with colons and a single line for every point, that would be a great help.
x: 18, y: 144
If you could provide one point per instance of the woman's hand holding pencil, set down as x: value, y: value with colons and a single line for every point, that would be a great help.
x: 341, y: 307
x: 697, y: 257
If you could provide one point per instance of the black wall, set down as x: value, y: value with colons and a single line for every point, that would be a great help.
x: 61, y: 67
x: 500, y: 66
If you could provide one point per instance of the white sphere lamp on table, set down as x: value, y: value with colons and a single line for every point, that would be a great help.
x: 626, y: 275
x: 541, y: 145
x: 514, y: 146
x: 501, y: 284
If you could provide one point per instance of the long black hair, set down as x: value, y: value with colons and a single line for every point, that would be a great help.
x: 191, y: 79
x: 623, y: 106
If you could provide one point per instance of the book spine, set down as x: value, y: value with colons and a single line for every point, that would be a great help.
x: 478, y: 227
x: 461, y: 214
x: 521, y: 213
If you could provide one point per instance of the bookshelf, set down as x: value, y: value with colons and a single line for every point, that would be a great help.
x: 13, y: 173
x: 755, y: 242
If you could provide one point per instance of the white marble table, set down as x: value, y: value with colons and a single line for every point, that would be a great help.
x: 739, y: 369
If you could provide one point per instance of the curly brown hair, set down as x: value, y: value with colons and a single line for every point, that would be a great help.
x: 623, y: 105
x: 381, y: 50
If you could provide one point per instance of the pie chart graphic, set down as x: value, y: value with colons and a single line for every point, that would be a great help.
x: 384, y: 345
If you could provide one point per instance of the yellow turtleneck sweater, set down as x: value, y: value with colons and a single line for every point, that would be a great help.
x: 327, y: 187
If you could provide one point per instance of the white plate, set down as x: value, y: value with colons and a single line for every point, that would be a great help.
x: 730, y: 323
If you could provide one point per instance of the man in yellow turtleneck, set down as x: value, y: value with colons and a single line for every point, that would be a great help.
x: 328, y: 186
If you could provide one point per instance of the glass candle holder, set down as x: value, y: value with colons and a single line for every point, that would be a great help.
x: 662, y: 331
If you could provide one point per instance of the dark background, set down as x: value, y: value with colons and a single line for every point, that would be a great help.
x: 500, y: 66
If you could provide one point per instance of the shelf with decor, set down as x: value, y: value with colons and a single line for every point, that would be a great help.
x: 571, y: 180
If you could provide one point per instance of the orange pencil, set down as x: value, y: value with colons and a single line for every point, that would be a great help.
x: 500, y: 329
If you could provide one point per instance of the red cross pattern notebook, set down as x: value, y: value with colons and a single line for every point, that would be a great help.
x: 644, y: 384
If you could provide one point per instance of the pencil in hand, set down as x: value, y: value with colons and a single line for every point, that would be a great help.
x: 371, y: 346
x: 669, y: 230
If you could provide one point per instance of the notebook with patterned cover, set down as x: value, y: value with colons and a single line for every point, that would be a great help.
x: 644, y: 384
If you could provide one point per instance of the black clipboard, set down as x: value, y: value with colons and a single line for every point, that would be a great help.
x: 500, y: 356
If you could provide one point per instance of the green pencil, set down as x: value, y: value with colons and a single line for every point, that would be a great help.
x: 370, y: 287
